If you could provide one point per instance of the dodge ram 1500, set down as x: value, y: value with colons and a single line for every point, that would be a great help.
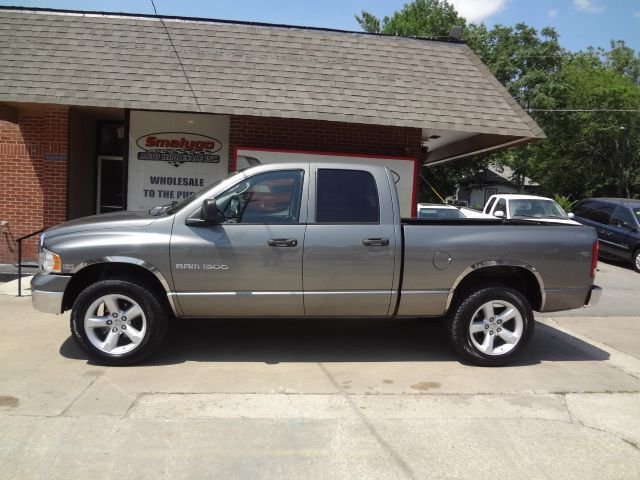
x: 308, y: 240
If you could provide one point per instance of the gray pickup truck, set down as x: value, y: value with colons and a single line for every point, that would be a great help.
x: 308, y: 240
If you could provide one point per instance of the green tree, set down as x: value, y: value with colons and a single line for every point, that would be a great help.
x: 420, y: 18
x: 623, y: 60
x: 594, y: 151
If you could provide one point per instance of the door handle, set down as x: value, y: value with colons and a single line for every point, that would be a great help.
x: 282, y: 242
x: 375, y: 242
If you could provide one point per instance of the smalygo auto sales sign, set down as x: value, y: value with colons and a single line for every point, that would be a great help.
x: 177, y: 148
x: 173, y: 155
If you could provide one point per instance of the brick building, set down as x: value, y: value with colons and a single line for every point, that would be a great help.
x: 101, y: 112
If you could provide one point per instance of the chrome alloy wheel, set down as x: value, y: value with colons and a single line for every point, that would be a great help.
x: 115, y: 324
x: 496, y: 327
x: 637, y: 261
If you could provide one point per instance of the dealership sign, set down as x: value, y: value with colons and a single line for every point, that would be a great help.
x: 173, y: 155
x: 177, y: 148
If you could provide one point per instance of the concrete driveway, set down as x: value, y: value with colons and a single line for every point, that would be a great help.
x: 320, y: 399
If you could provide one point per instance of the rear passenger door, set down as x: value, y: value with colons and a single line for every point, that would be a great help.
x: 599, y: 215
x: 621, y: 225
x: 351, y: 244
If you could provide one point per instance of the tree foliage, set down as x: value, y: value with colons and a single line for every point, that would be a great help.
x: 594, y: 152
x: 588, y: 103
x: 420, y: 18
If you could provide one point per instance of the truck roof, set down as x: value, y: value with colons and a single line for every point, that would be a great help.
x: 518, y: 196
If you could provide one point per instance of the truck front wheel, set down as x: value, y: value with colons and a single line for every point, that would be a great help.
x: 491, y: 326
x: 117, y: 322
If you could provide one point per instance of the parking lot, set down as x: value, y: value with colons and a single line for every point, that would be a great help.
x: 326, y: 399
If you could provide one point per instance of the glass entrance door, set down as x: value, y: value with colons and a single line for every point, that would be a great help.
x: 110, y: 189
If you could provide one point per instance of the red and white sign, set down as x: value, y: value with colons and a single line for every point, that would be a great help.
x: 173, y: 155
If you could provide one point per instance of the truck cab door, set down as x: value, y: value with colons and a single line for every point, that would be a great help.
x: 351, y: 248
x: 619, y: 235
x: 249, y: 264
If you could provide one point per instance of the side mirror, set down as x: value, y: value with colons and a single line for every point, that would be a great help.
x: 571, y: 215
x: 499, y: 214
x: 210, y: 213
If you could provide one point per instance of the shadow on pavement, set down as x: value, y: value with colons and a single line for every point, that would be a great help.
x: 617, y: 263
x: 335, y: 340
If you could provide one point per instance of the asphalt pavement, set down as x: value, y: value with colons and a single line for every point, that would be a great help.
x: 330, y: 399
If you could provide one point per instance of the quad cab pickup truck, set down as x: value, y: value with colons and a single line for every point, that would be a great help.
x: 308, y: 240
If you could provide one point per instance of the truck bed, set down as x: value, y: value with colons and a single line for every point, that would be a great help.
x: 475, y: 221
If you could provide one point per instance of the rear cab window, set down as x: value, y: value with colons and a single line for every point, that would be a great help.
x: 346, y: 196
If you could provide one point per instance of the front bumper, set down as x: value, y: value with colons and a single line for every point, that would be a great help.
x: 47, y: 292
x: 594, y: 295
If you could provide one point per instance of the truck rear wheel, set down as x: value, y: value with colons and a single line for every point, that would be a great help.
x: 117, y: 322
x: 491, y: 326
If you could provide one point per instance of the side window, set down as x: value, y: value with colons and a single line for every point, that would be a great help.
x: 622, y: 217
x: 600, y: 213
x: 501, y: 205
x: 272, y: 197
x: 487, y: 209
x: 346, y: 196
x: 582, y: 208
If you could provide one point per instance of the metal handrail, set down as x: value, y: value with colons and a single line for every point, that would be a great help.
x: 19, y: 240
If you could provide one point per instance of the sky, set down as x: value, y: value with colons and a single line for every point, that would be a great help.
x: 580, y: 23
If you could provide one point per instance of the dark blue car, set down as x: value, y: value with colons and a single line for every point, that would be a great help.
x: 617, y: 221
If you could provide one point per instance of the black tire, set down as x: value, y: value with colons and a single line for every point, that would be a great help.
x: 469, y: 310
x: 149, y: 327
x: 635, y: 260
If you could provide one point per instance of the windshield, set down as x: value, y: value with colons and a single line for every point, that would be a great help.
x: 536, y: 208
x: 636, y: 212
x: 439, y: 213
x: 177, y: 206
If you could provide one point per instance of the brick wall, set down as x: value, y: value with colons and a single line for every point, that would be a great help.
x: 292, y: 134
x: 33, y: 177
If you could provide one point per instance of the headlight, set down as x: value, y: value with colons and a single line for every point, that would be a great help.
x: 50, y: 262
